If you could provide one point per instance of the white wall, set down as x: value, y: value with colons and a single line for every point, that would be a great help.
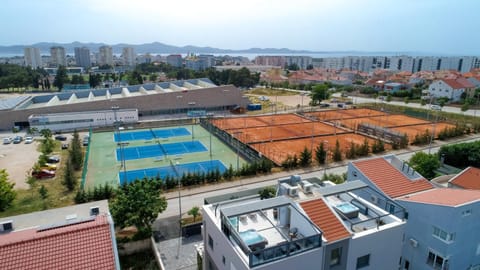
x: 384, y: 247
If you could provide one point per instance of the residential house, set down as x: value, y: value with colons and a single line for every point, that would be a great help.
x: 441, y: 227
x: 467, y: 179
x: 451, y: 88
x: 75, y: 237
x: 309, y: 225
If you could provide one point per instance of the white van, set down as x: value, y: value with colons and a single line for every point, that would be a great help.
x: 7, y: 140
x: 436, y: 107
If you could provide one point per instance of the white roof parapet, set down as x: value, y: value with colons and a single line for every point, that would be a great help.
x: 52, y: 101
x: 91, y: 96
x: 191, y: 86
x: 125, y: 92
x: 158, y: 88
x: 73, y: 98
x: 108, y: 95
x: 143, y: 91
x: 175, y: 87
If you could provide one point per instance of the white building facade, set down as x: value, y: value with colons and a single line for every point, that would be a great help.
x: 82, y: 120
x: 32, y: 57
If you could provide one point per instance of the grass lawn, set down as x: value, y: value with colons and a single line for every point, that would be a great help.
x: 29, y: 200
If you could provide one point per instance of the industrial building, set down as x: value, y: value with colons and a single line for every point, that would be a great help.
x: 175, y: 97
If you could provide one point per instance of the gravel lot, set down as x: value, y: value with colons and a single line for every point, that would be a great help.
x: 18, y: 159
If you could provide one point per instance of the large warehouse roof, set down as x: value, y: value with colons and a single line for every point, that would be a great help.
x: 80, y: 96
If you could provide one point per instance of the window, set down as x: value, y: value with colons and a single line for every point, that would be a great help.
x: 210, y: 242
x: 437, y: 261
x: 363, y: 261
x: 443, y: 235
x: 467, y: 212
x: 335, y: 256
x: 223, y: 260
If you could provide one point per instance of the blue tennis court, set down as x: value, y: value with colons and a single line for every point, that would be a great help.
x: 162, y: 172
x: 160, y: 150
x: 151, y: 134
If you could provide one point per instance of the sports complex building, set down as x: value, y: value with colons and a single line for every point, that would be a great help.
x: 148, y: 99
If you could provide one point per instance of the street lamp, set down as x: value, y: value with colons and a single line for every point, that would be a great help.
x: 175, y: 171
x: 116, y: 125
x: 238, y: 147
x: 326, y: 159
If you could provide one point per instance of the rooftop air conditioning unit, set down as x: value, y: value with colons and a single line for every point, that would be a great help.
x: 413, y: 242
x: 6, y: 226
x: 293, y: 191
x: 94, y: 211
x: 308, y: 189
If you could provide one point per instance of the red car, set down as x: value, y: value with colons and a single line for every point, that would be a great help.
x: 43, y: 174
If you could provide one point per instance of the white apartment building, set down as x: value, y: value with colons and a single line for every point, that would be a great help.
x: 105, y: 56
x: 128, y: 55
x: 402, y: 63
x: 307, y: 226
x: 58, y: 56
x: 32, y: 57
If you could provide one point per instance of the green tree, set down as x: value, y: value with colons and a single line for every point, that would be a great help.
x: 138, y: 204
x: 69, y: 179
x: 305, y: 157
x: 465, y: 107
x: 94, y: 80
x: 7, y: 193
x: 267, y: 192
x: 425, y: 164
x: 76, y: 153
x: 43, y: 191
x: 194, y: 212
x: 389, y: 98
x: 61, y: 78
x: 320, y: 153
x: 319, y: 93
x: 337, y: 152
x: 406, y: 100
x: 77, y: 79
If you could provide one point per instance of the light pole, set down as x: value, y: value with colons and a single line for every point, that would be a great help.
x: 238, y: 147
x: 433, y: 133
x: 326, y: 159
x: 179, y: 205
x: 313, y: 128
x: 116, y: 125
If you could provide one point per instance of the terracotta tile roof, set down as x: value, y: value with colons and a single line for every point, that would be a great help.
x: 389, y: 179
x: 459, y: 83
x: 468, y: 179
x: 320, y: 214
x: 85, y: 245
x: 444, y: 196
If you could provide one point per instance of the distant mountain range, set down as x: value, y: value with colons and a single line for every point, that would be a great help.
x: 161, y: 48
x: 154, y: 47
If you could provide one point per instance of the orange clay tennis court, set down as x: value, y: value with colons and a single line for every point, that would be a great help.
x: 279, y: 150
x: 391, y: 120
x: 344, y: 114
x: 282, y: 132
x: 411, y: 131
x: 258, y: 121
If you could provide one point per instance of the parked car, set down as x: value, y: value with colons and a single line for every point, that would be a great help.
x: 51, y: 167
x: 28, y: 139
x: 53, y: 159
x: 86, y: 140
x: 17, y: 139
x: 60, y: 138
x: 324, y: 105
x: 436, y: 107
x: 7, y: 140
x: 64, y: 146
x: 43, y: 173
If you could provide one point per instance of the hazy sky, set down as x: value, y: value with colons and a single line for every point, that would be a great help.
x: 430, y: 26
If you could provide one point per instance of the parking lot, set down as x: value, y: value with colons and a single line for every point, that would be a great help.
x: 18, y: 159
